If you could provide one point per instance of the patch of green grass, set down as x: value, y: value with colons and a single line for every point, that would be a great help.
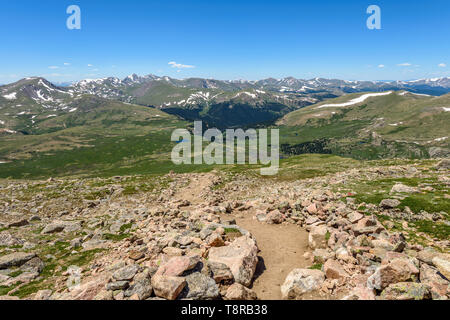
x: 376, y: 190
x: 15, y: 273
x: 434, y: 229
x: 82, y: 258
x: 4, y: 290
x: 129, y: 190
x: 57, y: 249
x: 317, y: 266
x: 115, y: 237
x: 231, y: 230
x: 30, y: 288
x: 421, y: 202
x: 96, y: 195
x: 125, y: 227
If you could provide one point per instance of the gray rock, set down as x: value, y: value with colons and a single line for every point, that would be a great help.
x: 43, y: 295
x: 15, y: 259
x: 389, y: 203
x: 18, y: 223
x: 405, y: 291
x: 220, y: 272
x: 142, y: 288
x: 401, y: 188
x: 6, y: 239
x: 53, y: 228
x: 443, y: 165
x: 59, y: 226
x: 126, y: 273
x: 200, y: 287
x: 33, y: 265
x: 117, y: 285
x: 95, y: 244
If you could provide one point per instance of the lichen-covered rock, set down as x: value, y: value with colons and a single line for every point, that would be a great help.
x: 200, y: 287
x: 126, y: 273
x: 405, y: 291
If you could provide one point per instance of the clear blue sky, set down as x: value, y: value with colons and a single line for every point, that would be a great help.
x: 232, y: 39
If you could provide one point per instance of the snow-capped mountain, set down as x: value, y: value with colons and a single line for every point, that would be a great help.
x: 241, y: 102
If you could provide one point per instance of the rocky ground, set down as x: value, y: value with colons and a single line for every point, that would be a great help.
x: 361, y: 233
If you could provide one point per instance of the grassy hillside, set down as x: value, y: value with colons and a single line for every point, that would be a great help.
x: 111, y: 138
x: 397, y: 124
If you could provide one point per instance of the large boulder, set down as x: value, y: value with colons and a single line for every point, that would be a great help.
x: 200, y: 287
x: 6, y: 239
x: 239, y: 292
x: 389, y: 203
x: 398, y: 270
x: 167, y: 287
x: 275, y: 217
x: 405, y: 291
x: 240, y: 256
x: 220, y: 272
x: 141, y: 286
x: 334, y: 270
x: 176, y: 266
x: 438, y: 286
x: 443, y: 265
x: 59, y: 226
x: 443, y: 165
x: 367, y: 225
x: 301, y: 281
x: 15, y: 259
x: 87, y: 290
x: 126, y: 273
x: 318, y: 237
x: 428, y: 254
x: 401, y: 188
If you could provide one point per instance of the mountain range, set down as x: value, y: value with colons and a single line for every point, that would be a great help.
x: 129, y: 121
x: 218, y: 103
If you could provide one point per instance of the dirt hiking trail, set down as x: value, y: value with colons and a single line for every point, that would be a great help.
x: 281, y: 246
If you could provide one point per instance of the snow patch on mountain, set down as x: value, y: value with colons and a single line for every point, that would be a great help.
x: 360, y: 99
x: 11, y: 96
